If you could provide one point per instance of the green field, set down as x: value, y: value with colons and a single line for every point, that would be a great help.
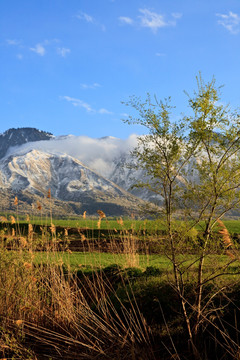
x: 112, y: 224
x: 96, y: 260
x: 78, y: 260
x: 92, y: 223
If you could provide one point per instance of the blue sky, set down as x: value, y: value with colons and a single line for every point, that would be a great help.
x: 66, y: 65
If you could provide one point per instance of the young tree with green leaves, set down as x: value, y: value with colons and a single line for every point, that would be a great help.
x: 215, y: 188
x: 193, y: 163
x: 163, y: 154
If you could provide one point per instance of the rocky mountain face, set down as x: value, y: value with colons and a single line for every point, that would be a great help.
x: 16, y: 137
x: 125, y: 177
x: 29, y: 172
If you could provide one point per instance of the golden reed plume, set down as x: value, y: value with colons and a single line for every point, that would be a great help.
x: 39, y: 206
x: 49, y: 194
x: 227, y: 242
x: 13, y: 220
x: 101, y: 214
x: 225, y: 234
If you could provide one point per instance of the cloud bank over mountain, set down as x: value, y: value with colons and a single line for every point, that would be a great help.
x: 97, y: 153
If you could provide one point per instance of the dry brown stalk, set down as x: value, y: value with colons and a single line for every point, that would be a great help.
x: 101, y: 214
x: 39, y: 206
x: 83, y: 237
x: 19, y: 322
x: 49, y: 194
x: 13, y: 220
x: 120, y: 221
x: 53, y: 229
x: 27, y: 265
x: 230, y: 254
x: 30, y: 232
x: 23, y: 241
x: 30, y: 229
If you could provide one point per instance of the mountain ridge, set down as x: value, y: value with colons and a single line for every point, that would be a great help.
x: 30, y: 169
x: 16, y: 137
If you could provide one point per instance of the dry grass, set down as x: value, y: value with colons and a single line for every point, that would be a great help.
x: 72, y: 318
x: 47, y: 312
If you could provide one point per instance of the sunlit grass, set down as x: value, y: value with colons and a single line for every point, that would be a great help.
x: 137, y: 225
x: 77, y: 260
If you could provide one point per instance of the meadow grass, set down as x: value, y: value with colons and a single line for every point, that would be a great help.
x: 138, y: 225
x: 92, y: 223
x: 77, y: 260
x: 109, y: 224
x: 233, y: 226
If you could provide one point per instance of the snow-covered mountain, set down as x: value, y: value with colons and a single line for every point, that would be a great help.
x: 82, y: 170
x: 16, y: 137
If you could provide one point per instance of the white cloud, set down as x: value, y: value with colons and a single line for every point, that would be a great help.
x: 104, y: 111
x: 51, y: 41
x: 79, y: 103
x: 86, y: 17
x: 90, y: 19
x: 230, y: 21
x: 177, y: 15
x: 63, y: 51
x: 84, y: 105
x: 153, y: 20
x: 91, y: 86
x: 98, y: 154
x: 13, y: 42
x: 160, y: 54
x: 39, y: 49
x: 126, y: 20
